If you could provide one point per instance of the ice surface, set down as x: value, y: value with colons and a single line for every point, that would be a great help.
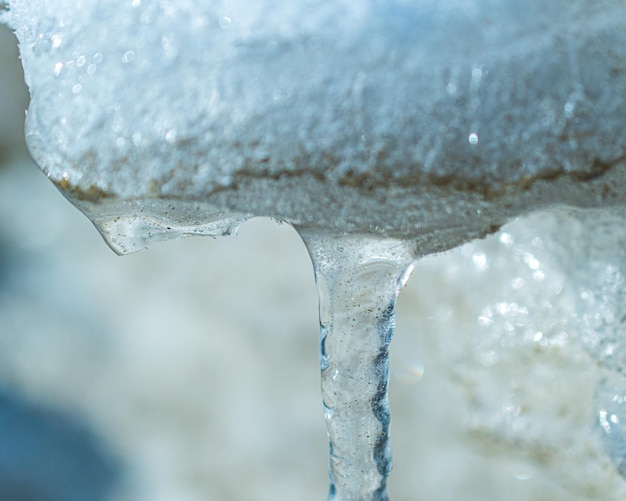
x: 429, y: 119
x: 358, y: 282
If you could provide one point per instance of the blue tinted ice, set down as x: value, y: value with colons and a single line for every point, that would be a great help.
x: 396, y: 118
x: 382, y: 131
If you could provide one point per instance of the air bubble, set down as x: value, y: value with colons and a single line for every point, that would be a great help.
x: 506, y: 239
x: 56, y: 40
x: 480, y: 261
x: 170, y: 136
x: 128, y: 57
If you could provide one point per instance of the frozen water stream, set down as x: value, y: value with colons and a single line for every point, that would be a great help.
x: 378, y: 130
x: 358, y: 281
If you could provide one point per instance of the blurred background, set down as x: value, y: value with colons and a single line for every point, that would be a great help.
x: 190, y: 372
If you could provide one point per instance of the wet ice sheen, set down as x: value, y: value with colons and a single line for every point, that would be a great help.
x: 358, y: 281
x: 383, y: 131
x: 430, y: 120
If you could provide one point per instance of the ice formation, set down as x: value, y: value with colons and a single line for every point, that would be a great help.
x: 426, y: 119
x: 410, y: 126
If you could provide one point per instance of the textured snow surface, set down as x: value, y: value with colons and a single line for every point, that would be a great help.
x: 382, y: 117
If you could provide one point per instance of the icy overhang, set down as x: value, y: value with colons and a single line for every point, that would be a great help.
x: 431, y: 120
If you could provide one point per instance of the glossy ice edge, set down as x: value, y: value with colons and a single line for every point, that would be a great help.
x: 436, y: 218
x: 132, y: 225
x: 403, y: 119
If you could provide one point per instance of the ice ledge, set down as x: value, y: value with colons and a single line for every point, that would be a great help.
x: 437, y: 216
x: 398, y: 118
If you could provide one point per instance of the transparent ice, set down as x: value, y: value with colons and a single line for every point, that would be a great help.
x: 383, y: 131
x: 358, y: 281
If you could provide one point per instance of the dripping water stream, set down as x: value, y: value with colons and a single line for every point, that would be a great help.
x: 358, y: 280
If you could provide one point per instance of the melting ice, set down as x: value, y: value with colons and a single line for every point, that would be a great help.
x: 382, y: 131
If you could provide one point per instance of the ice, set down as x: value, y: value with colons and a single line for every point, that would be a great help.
x: 369, y: 127
x: 358, y: 281
x: 432, y: 120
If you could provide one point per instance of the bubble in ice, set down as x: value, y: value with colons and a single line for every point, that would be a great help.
x: 611, y: 419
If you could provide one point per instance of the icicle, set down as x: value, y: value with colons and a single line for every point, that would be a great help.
x: 358, y: 280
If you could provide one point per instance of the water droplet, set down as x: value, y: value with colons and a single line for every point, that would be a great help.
x: 80, y: 61
x: 169, y: 47
x: 77, y: 88
x: 485, y: 318
x: 531, y: 261
x: 170, y: 136
x: 480, y: 261
x: 71, y: 68
x: 477, y: 73
x: 506, y: 239
x: 472, y: 138
x: 604, y: 422
x: 56, y: 40
x: 517, y: 283
x: 128, y: 57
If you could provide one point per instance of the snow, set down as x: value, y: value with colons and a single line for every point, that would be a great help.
x: 313, y: 112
